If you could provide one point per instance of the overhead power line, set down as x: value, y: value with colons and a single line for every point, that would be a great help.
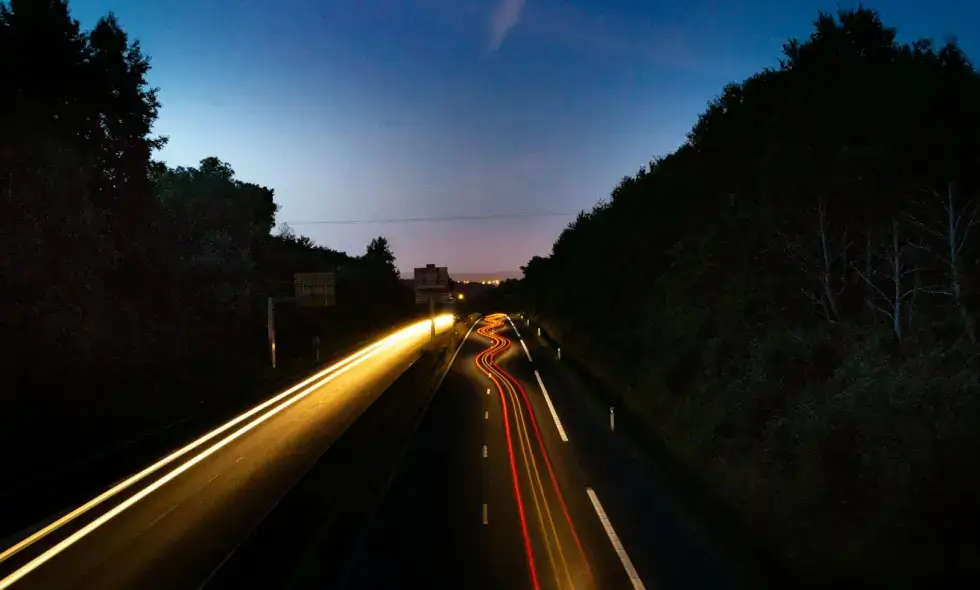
x: 488, y: 217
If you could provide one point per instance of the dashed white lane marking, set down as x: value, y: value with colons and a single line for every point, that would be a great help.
x: 551, y: 407
x: 513, y: 326
x: 486, y: 414
x: 484, y: 451
x: 214, y: 477
x: 488, y: 391
x: 484, y: 514
x: 525, y: 350
x: 239, y: 459
x: 614, y: 539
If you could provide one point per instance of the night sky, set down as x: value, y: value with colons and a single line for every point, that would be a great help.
x: 387, y: 109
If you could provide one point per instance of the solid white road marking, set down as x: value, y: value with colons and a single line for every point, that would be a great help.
x: 484, y: 514
x: 551, y: 407
x: 525, y: 350
x: 614, y: 539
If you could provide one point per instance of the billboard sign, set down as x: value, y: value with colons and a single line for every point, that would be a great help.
x: 432, y: 278
x: 432, y: 281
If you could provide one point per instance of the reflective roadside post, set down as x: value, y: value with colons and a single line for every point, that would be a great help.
x: 432, y: 318
x: 559, y: 353
x: 271, y: 327
x: 612, y: 419
x: 316, y: 346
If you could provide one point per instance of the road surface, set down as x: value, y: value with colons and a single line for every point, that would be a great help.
x: 492, y: 493
x: 525, y: 487
x: 173, y: 524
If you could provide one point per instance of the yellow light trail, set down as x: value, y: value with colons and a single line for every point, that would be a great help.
x: 525, y: 437
x: 500, y: 344
x: 325, y: 376
x: 489, y: 366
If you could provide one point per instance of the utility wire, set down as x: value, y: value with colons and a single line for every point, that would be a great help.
x: 488, y: 217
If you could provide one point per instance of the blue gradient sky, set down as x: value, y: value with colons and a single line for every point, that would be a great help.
x: 380, y: 109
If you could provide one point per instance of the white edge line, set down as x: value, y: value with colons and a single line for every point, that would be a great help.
x: 98, y: 522
x: 616, y: 543
x: 554, y: 414
x: 525, y: 350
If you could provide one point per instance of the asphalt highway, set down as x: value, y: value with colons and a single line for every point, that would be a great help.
x: 172, y: 524
x: 493, y: 494
x: 668, y: 548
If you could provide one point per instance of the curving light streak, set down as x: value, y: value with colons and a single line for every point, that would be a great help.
x: 325, y: 376
x: 497, y: 344
x: 510, y: 382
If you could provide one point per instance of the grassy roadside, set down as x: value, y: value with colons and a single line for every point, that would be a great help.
x: 838, y: 456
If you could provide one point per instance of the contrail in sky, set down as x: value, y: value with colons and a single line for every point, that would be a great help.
x: 505, y: 16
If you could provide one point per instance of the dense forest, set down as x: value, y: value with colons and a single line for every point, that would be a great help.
x: 120, y: 274
x: 789, y: 300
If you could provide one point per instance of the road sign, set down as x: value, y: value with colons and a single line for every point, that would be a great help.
x: 315, y: 289
x: 432, y: 278
x: 432, y: 282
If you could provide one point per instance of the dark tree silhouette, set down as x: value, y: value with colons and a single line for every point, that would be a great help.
x: 142, y: 286
x: 788, y: 300
x: 379, y: 256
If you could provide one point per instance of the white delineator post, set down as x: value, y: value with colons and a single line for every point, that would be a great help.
x: 612, y: 419
x: 432, y: 318
x: 271, y: 327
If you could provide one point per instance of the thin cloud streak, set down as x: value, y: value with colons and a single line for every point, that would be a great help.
x: 505, y: 16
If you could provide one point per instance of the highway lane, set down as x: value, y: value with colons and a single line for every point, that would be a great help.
x: 172, y: 524
x: 429, y: 530
x: 666, y: 545
x: 490, y: 499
